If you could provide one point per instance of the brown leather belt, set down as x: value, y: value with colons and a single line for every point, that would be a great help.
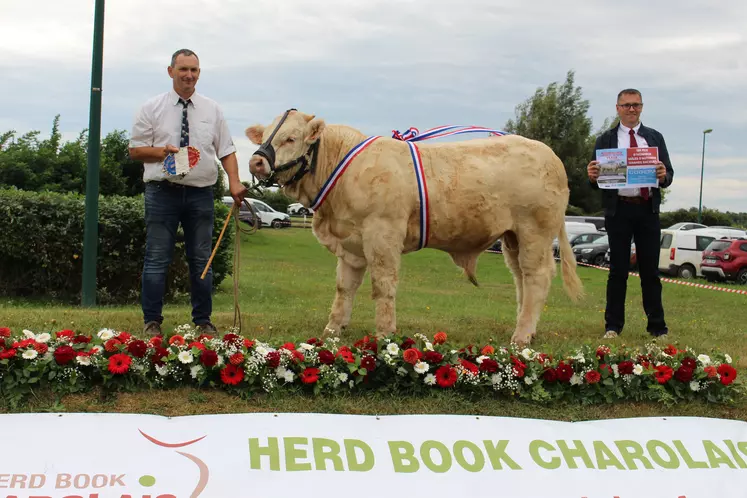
x: 634, y: 200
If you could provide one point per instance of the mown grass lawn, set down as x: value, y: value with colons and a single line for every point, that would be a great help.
x: 287, y: 282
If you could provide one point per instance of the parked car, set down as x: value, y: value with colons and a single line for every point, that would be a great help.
x: 298, y: 208
x: 593, y: 252
x: 246, y: 213
x: 725, y: 259
x: 686, y: 225
x: 597, y: 221
x: 269, y: 216
x: 633, y: 258
x: 572, y: 229
x: 681, y: 252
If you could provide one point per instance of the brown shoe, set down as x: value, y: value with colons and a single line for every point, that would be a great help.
x: 152, y: 329
x: 207, y: 328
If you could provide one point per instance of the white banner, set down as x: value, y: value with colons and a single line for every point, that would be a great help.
x: 330, y: 456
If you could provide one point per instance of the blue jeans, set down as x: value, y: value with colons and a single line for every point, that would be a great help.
x: 165, y: 207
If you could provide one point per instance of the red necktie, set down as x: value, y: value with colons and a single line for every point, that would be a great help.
x: 633, y: 143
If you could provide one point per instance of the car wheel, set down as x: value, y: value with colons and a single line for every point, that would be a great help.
x: 275, y: 224
x: 742, y: 276
x: 686, y: 271
x: 303, y: 211
x: 598, y: 260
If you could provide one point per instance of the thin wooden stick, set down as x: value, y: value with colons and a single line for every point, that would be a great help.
x: 225, y: 224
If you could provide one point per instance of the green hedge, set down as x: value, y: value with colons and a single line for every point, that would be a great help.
x: 41, y: 250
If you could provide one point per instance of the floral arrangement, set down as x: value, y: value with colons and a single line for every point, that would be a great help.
x: 68, y: 361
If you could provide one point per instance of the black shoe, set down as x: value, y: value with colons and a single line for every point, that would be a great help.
x: 152, y: 329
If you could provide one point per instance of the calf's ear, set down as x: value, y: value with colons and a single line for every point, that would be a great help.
x: 314, y: 130
x: 254, y: 133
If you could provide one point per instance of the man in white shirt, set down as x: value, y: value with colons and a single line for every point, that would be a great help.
x: 177, y: 191
x: 633, y: 214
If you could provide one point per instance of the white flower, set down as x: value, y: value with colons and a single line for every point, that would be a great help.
x: 429, y: 379
x: 480, y: 359
x: 496, y: 378
x: 727, y: 358
x: 289, y: 376
x: 162, y: 370
x: 392, y: 349
x: 638, y: 369
x: 576, y: 380
x: 704, y: 359
x: 28, y: 334
x: 186, y: 357
x: 421, y: 367
x: 44, y: 337
x: 528, y: 380
x: 261, y: 350
x: 401, y: 371
x: 83, y: 360
x: 306, y: 347
x: 343, y: 377
x: 195, y: 371
x: 30, y: 354
x: 695, y: 386
x: 527, y: 353
x: 105, y: 334
x: 428, y: 346
x: 615, y: 370
x: 280, y: 372
x: 351, y: 384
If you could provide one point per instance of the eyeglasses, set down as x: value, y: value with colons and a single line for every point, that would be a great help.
x: 635, y: 106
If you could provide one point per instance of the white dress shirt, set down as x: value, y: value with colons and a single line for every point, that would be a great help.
x: 623, y: 142
x: 159, y: 122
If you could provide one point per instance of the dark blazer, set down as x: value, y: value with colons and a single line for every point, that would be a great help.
x: 608, y: 140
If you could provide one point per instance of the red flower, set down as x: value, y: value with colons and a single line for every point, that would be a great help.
x: 604, y: 367
x: 690, y: 363
x: 564, y: 372
x: 489, y: 365
x: 518, y: 367
x: 711, y: 371
x: 326, y: 357
x: 124, y: 337
x: 439, y: 338
x: 625, y: 367
x: 24, y: 343
x: 209, y: 358
x: 471, y: 367
x: 41, y: 348
x: 289, y: 346
x: 236, y: 359
x: 412, y: 356
x: 156, y: 341
x: 670, y: 350
x: 231, y: 374
x: 663, y: 373
x: 313, y: 341
x: 487, y: 350
x: 67, y: 333
x: 346, y: 354
x: 204, y: 337
x: 446, y: 376
x: 369, y: 363
x: 248, y: 344
x: 197, y: 345
x: 273, y: 359
x: 176, y: 340
x: 119, y: 363
x: 81, y: 339
x: 158, y: 355
x: 592, y: 376
x: 233, y: 339
x: 407, y: 344
x: 550, y: 375
x: 367, y: 344
x: 433, y: 357
x: 64, y: 355
x: 309, y: 376
x: 603, y: 351
x: 6, y: 354
x: 684, y: 374
x: 112, y: 345
x: 297, y: 356
x: 137, y: 348
x: 4, y: 332
x: 727, y: 373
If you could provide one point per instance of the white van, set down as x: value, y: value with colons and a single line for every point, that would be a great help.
x: 267, y: 215
x: 681, y: 252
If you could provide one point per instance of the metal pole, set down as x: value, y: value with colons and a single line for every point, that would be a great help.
x: 702, y: 167
x: 90, y: 237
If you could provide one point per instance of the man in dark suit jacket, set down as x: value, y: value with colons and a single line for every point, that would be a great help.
x: 632, y: 214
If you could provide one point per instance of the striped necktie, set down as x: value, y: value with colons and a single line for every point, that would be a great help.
x: 185, y: 123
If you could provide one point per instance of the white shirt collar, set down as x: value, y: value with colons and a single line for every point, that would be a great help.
x: 626, y: 130
x: 174, y: 97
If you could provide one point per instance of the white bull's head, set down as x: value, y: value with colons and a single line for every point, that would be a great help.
x: 284, y: 143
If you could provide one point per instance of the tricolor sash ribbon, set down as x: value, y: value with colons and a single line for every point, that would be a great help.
x: 409, y: 136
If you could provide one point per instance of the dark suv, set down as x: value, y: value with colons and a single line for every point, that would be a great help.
x: 725, y: 259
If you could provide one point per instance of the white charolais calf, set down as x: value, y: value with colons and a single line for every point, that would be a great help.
x: 478, y: 190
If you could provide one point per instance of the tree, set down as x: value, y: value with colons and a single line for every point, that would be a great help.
x: 557, y: 116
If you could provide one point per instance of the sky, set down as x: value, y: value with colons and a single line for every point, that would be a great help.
x: 381, y: 65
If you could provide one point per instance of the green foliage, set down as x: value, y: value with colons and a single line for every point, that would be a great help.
x: 709, y: 217
x: 276, y: 199
x: 42, y: 256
